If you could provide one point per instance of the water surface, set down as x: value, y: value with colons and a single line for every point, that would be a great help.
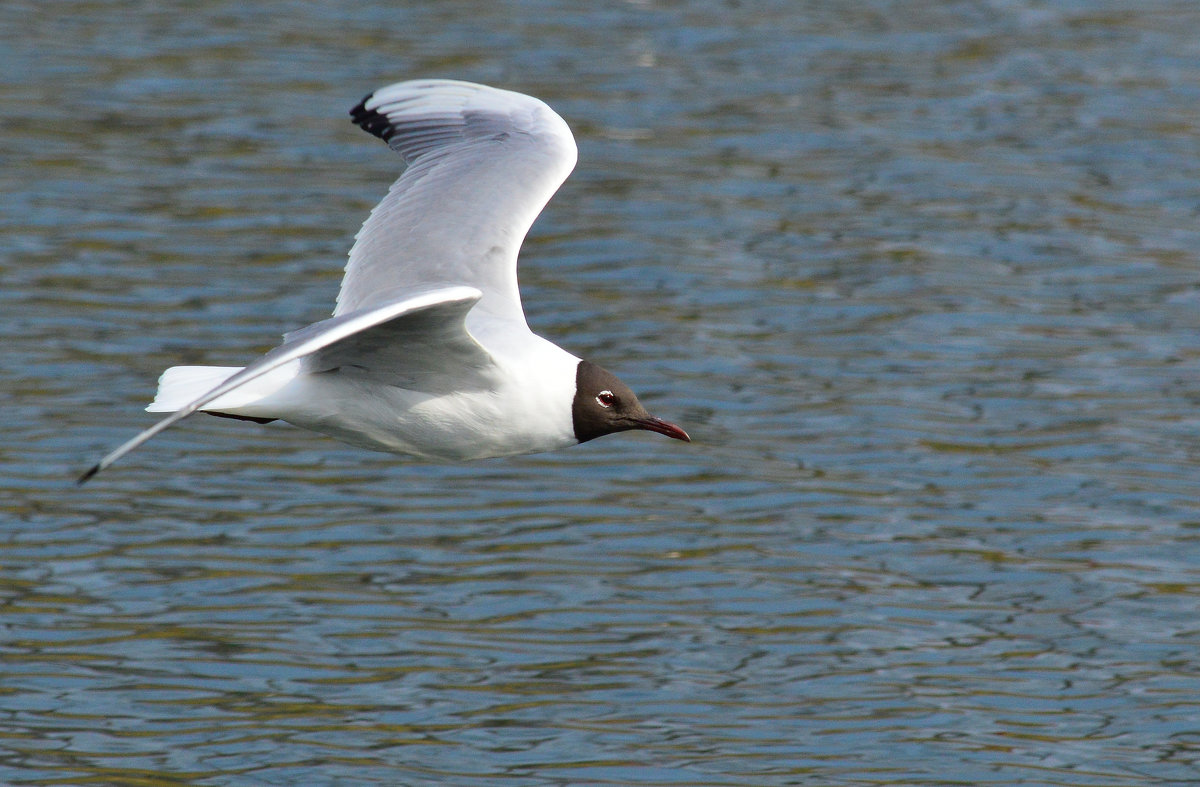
x: 919, y: 278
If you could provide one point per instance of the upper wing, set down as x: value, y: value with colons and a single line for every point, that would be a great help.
x: 439, y: 349
x: 482, y: 163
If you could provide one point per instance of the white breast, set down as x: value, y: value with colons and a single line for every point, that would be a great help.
x: 526, y: 410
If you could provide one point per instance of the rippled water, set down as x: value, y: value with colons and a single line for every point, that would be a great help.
x: 919, y: 278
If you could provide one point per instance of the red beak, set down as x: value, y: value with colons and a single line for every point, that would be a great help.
x: 653, y: 424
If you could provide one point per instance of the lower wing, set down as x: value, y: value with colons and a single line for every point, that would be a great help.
x: 420, y: 338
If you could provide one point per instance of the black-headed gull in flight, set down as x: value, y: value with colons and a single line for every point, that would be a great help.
x: 427, y: 352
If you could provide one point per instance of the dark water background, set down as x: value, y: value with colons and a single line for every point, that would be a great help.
x: 920, y: 278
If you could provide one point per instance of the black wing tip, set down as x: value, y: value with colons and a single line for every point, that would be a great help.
x: 91, y: 471
x: 371, y: 121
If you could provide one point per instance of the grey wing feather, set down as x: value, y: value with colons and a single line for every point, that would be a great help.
x: 428, y: 350
x: 482, y: 163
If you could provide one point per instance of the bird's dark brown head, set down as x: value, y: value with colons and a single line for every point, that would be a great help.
x: 603, y: 405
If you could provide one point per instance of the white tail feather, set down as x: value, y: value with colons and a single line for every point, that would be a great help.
x: 179, y: 386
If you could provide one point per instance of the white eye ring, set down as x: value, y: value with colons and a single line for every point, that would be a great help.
x: 606, y: 399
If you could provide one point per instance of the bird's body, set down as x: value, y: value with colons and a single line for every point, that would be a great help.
x: 470, y: 422
x: 428, y: 353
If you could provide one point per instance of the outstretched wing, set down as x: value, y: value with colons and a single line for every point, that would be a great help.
x: 482, y: 163
x: 421, y: 337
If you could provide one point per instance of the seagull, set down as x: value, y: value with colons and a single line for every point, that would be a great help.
x: 428, y: 353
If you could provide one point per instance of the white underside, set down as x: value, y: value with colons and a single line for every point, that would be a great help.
x: 526, y: 409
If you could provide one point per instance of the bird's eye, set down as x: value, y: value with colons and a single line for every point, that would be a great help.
x: 606, y: 398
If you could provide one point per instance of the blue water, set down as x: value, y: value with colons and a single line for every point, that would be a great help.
x: 920, y: 279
